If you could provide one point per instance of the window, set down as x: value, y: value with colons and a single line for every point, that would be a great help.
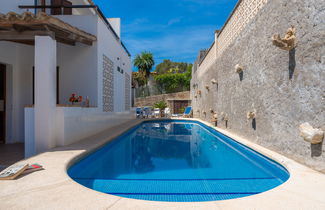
x: 120, y: 70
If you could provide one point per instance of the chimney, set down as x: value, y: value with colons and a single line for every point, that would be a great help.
x: 116, y: 24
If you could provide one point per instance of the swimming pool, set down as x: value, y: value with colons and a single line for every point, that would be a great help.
x: 177, y: 161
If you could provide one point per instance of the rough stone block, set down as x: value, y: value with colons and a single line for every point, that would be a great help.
x: 310, y: 134
x: 251, y: 115
x: 238, y: 68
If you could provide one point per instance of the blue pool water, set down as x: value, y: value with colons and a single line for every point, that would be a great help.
x: 177, y: 161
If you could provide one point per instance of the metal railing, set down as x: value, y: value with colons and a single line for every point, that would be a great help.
x: 56, y: 6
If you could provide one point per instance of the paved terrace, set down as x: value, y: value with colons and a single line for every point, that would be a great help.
x: 53, y: 189
x: 10, y: 153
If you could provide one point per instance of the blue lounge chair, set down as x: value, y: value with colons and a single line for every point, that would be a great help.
x: 139, y: 112
x: 187, y: 112
x: 147, y: 112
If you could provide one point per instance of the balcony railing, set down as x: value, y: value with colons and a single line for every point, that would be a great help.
x: 95, y: 7
x: 56, y: 6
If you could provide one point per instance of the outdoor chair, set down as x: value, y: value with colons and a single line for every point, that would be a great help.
x: 139, y: 112
x: 167, y: 112
x: 187, y: 112
x: 156, y: 113
x: 147, y: 112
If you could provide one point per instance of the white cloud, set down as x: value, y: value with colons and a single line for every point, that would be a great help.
x: 174, y: 20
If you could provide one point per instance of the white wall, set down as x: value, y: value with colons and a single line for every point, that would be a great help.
x: 9, y: 104
x: 88, y: 23
x: 73, y: 124
x: 20, y: 60
x: 8, y: 57
x: 45, y: 92
x: 82, y: 11
x: 81, y: 72
x: 112, y: 48
x: 78, y: 72
x: 78, y: 64
x: 116, y: 24
x: 76, y: 59
x: 76, y: 123
x: 12, y: 5
x: 30, y: 149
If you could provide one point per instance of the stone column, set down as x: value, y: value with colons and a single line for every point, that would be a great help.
x: 45, y: 93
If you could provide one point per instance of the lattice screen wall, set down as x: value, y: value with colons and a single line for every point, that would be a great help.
x: 108, y: 84
x: 127, y: 92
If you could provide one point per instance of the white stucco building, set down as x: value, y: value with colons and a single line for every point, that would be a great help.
x: 48, y: 51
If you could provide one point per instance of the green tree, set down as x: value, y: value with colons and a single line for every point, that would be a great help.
x: 144, y: 62
x: 138, y: 79
x: 175, y: 82
x: 168, y: 66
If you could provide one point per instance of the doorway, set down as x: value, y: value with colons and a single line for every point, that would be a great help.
x: 2, y: 104
x: 179, y: 106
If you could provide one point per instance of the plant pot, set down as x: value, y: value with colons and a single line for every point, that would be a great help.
x: 162, y: 114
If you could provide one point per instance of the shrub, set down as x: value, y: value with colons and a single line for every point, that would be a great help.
x: 161, y: 105
x: 174, y: 82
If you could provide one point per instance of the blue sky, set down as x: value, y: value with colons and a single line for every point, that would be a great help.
x: 170, y: 29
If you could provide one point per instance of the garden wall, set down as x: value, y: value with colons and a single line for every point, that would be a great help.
x: 284, y: 88
x: 168, y: 98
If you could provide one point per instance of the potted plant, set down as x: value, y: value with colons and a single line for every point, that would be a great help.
x: 75, y: 99
x: 161, y: 105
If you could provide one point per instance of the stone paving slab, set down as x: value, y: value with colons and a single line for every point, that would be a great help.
x: 52, y: 188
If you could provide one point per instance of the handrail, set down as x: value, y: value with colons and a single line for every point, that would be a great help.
x: 55, y: 6
x: 99, y: 12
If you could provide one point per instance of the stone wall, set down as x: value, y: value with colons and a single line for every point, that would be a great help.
x: 243, y: 14
x: 209, y: 57
x: 168, y: 98
x: 285, y: 89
